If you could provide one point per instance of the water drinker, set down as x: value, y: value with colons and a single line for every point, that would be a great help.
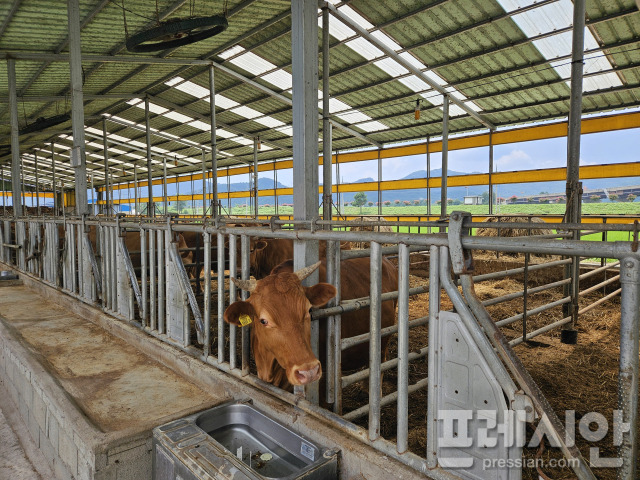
x: 237, y: 441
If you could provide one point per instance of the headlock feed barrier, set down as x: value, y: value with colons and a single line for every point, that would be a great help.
x: 171, y: 278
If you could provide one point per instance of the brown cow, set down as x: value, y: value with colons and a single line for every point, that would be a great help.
x: 279, y: 310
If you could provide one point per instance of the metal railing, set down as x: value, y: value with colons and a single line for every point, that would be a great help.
x: 133, y: 270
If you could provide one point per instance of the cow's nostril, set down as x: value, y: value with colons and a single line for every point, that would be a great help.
x: 307, y: 376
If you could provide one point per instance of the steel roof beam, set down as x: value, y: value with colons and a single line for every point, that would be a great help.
x: 9, y: 17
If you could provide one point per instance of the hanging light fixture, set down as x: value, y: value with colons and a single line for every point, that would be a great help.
x: 416, y: 113
x: 259, y: 144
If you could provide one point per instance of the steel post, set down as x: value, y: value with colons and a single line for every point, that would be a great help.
x: 78, y: 158
x: 375, y: 391
x: 204, y: 186
x: 143, y: 274
x: 16, y: 195
x: 491, y: 172
x: 433, y: 383
x: 327, y: 197
x: 403, y: 349
x: 256, y: 142
x: 221, y: 294
x: 161, y: 289
x: 105, y: 150
x: 35, y: 154
x: 628, y: 377
x: 445, y: 157
x: 207, y: 294
x: 150, y: 208
x: 214, y: 145
x: 233, y: 357
x: 152, y: 280
x: 246, y: 332
x: 164, y: 185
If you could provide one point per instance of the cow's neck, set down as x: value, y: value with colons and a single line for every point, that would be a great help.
x: 268, y: 367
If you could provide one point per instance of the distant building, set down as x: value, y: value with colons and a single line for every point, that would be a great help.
x: 473, y: 200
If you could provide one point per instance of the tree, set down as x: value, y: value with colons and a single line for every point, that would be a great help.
x: 359, y: 199
x: 595, y: 198
x: 371, y: 204
x: 613, y: 197
x: 386, y: 203
x: 397, y: 202
x: 485, y: 197
x: 631, y: 197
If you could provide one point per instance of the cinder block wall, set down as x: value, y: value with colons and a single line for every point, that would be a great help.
x: 72, y: 446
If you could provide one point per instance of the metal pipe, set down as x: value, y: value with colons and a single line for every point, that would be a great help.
x: 164, y: 185
x: 135, y: 187
x: 384, y: 401
x: 432, y: 371
x: 16, y: 195
x: 534, y: 311
x: 152, y: 280
x: 246, y: 337
x: 403, y: 349
x: 330, y: 368
x: 337, y: 350
x: 428, y: 179
x: 629, y: 365
x: 327, y: 197
x: 379, y: 181
x: 162, y: 268
x: 143, y: 275
x: 150, y: 207
x: 361, y: 375
x: 35, y: 154
x: 214, y: 145
x: 375, y: 344
x: 204, y: 186
x: 599, y: 285
x: 233, y: 342
x: 385, y: 332
x: 221, y: 290
x: 207, y: 294
x: 256, y: 141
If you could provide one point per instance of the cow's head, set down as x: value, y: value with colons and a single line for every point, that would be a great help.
x: 279, y: 311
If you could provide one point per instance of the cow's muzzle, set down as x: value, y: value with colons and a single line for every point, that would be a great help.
x: 307, y: 373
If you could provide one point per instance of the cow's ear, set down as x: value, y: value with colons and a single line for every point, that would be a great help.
x: 236, y: 310
x: 259, y: 245
x: 320, y: 294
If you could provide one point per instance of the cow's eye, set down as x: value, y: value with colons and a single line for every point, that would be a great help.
x: 264, y: 321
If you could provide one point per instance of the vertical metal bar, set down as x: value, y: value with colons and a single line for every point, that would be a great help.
x: 379, y: 180
x: 403, y: 348
x: 164, y: 185
x: 150, y: 208
x: 114, y: 266
x: 375, y: 341
x: 256, y: 140
x: 246, y: 335
x: 628, y: 377
x: 445, y: 157
x: 161, y: 245
x: 491, y: 172
x: 207, y: 294
x: 35, y: 154
x: 330, y: 369
x: 434, y: 309
x: 78, y: 159
x: 105, y: 149
x: 221, y: 291
x: 214, y: 144
x: 204, y: 186
x: 143, y: 274
x: 337, y: 345
x: 23, y: 197
x: 4, y: 208
x: 326, y: 124
x: 232, y: 298
x: 428, y: 182
x: 93, y: 205
x: 15, y: 142
x: 135, y: 187
x: 275, y: 185
x: 152, y: 280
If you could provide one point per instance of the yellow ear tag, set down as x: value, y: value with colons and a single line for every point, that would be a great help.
x: 245, y: 320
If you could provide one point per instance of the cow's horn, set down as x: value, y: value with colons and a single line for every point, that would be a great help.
x: 248, y: 285
x: 306, y: 271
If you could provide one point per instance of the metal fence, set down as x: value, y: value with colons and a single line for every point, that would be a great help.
x: 147, y: 272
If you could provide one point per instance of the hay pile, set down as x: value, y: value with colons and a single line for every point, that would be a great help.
x: 367, y: 228
x: 511, y: 232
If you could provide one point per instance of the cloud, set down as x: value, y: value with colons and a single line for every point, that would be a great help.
x: 515, y: 160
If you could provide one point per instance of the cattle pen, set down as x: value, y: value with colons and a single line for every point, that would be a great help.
x: 171, y: 309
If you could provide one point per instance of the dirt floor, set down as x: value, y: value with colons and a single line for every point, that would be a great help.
x: 580, y: 377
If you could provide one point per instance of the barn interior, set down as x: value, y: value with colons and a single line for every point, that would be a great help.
x: 141, y: 145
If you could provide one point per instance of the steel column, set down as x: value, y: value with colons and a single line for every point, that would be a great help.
x: 375, y: 319
x: 256, y: 141
x: 428, y: 178
x: 15, y: 143
x: 403, y: 348
x: 327, y: 196
x: 35, y: 154
x: 150, y: 208
x: 304, y: 45
x: 78, y: 159
x: 207, y: 294
x: 221, y: 294
x: 164, y: 185
x: 445, y: 157
x: 491, y: 172
x: 105, y: 149
x: 214, y: 145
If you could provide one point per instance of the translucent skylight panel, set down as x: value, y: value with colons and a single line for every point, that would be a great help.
x: 236, y: 49
x: 252, y: 63
x: 365, y: 48
x: 280, y: 78
x: 191, y: 88
x: 414, y: 83
x: 242, y: 140
x: 200, y: 125
x: 386, y: 40
x: 269, y: 122
x: 223, y: 102
x: 434, y: 77
x: 413, y: 61
x: 178, y: 117
x: 336, y: 105
x: 354, y: 116
x: 223, y: 153
x: 554, y: 46
x: 221, y: 132
x: 455, y: 110
x: 355, y: 17
x: 287, y: 130
x: 157, y: 109
x: 337, y: 29
x: 546, y: 18
x: 246, y: 112
x: 372, y: 126
x: 391, y: 67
